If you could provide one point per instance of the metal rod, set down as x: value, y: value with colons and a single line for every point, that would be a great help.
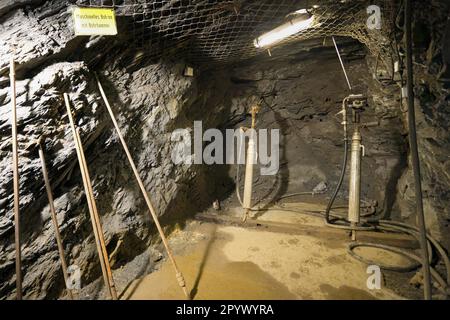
x: 249, y: 166
x: 15, y: 160
x: 151, y: 209
x: 415, y: 153
x: 354, y: 193
x: 93, y: 221
x: 104, y: 263
x: 88, y: 198
x: 342, y: 64
x: 48, y: 188
x: 97, y: 221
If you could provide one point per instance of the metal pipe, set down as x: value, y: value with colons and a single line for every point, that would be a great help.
x: 241, y: 144
x: 248, y: 180
x: 355, y: 181
x: 104, y: 263
x: 179, y: 275
x: 342, y: 64
x: 415, y: 153
x: 250, y: 162
x: 54, y: 220
x: 15, y: 164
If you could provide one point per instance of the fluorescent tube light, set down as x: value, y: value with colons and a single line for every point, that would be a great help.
x: 299, y: 23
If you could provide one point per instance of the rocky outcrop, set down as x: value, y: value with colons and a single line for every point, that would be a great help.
x: 150, y: 100
x: 150, y: 103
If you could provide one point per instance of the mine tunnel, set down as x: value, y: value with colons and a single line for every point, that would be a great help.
x: 235, y: 150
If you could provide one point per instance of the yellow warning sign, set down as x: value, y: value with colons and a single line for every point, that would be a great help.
x: 94, y: 21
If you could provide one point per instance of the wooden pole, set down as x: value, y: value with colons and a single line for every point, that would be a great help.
x: 15, y: 164
x: 48, y: 188
x: 99, y: 240
x: 179, y: 275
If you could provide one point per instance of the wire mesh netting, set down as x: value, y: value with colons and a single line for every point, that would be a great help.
x: 224, y: 31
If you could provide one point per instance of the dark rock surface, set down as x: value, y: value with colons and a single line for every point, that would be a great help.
x: 431, y: 32
x: 150, y: 100
x: 302, y: 100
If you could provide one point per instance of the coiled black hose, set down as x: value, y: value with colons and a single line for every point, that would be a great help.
x: 390, y: 226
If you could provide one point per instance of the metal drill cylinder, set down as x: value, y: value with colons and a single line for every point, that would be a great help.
x: 248, y: 182
x: 355, y: 178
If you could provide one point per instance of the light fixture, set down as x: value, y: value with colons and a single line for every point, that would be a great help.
x: 301, y: 20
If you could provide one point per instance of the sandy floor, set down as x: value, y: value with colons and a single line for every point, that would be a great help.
x: 227, y: 262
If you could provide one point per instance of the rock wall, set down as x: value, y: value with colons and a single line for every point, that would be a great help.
x: 431, y: 48
x: 150, y: 100
x: 432, y: 84
x: 301, y: 95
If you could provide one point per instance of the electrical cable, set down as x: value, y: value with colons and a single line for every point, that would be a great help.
x: 442, y: 284
x: 339, y: 184
x: 402, y: 226
x: 414, y: 151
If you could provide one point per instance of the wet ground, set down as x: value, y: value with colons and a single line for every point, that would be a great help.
x: 234, y: 262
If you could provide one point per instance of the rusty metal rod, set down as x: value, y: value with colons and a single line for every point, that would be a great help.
x: 104, y: 263
x: 15, y: 159
x: 97, y: 221
x: 48, y: 188
x: 151, y: 209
